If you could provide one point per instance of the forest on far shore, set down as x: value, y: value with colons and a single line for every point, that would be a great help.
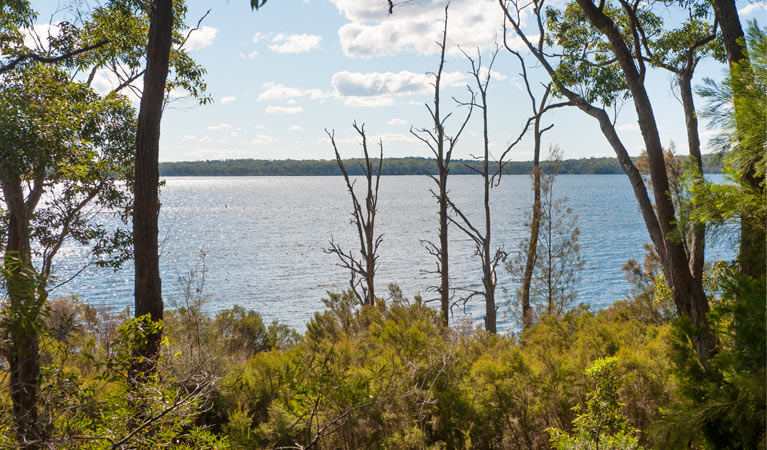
x: 412, y: 165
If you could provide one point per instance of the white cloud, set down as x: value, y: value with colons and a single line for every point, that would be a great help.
x: 395, y: 138
x: 382, y: 100
x: 106, y: 81
x: 262, y: 139
x: 276, y: 91
x: 396, y: 121
x: 628, y: 127
x: 296, y: 128
x: 218, y: 153
x: 416, y: 26
x: 752, y: 8
x: 228, y: 99
x: 283, y: 109
x: 205, y: 139
x: 494, y: 75
x: 189, y: 138
x: 295, y: 43
x: 253, y: 54
x: 386, y: 138
x: 38, y: 36
x: 259, y: 36
x: 388, y: 83
x: 221, y: 126
x: 200, y: 38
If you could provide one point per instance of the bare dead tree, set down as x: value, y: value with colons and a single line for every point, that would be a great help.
x: 441, y: 146
x: 539, y: 107
x: 660, y: 220
x: 482, y: 237
x: 362, y: 268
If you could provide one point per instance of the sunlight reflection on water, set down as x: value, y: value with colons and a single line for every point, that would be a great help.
x: 263, y: 237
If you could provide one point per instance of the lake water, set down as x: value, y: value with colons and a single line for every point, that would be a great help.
x: 263, y: 238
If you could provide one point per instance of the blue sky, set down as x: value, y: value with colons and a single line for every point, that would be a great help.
x: 281, y: 75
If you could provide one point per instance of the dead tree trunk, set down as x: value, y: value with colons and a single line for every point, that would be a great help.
x: 441, y: 145
x: 148, y: 287
x: 539, y: 108
x: 482, y: 239
x: 364, y: 220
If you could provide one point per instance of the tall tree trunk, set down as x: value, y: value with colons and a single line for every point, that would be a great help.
x: 532, y: 247
x: 444, y: 263
x: 148, y: 288
x: 698, y: 239
x: 443, y: 165
x: 22, y: 352
x: 753, y: 252
x: 687, y: 292
x: 732, y: 32
x: 487, y: 266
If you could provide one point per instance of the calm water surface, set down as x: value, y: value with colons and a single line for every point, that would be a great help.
x: 263, y: 238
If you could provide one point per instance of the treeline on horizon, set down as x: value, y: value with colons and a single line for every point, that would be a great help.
x: 412, y: 165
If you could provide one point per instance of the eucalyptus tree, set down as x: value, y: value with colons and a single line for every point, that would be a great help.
x: 596, y: 56
x: 64, y: 160
x: 737, y: 107
x: 17, y: 20
x: 153, y: 48
x: 164, y: 18
x: 752, y: 255
x: 441, y: 145
x: 65, y: 154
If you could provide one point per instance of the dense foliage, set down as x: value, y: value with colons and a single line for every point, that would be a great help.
x: 389, y: 373
x: 391, y: 376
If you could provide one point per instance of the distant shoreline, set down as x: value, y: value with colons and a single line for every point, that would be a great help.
x: 391, y: 166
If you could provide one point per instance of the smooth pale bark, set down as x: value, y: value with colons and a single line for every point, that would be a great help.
x: 535, y: 224
x: 443, y: 163
x: 698, y: 239
x: 148, y: 287
x: 364, y: 221
x: 488, y: 268
x: 441, y: 146
x: 22, y: 352
x: 532, y: 247
x: 444, y: 264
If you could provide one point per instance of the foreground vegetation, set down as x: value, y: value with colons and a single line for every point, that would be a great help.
x: 681, y: 364
x: 392, y: 376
